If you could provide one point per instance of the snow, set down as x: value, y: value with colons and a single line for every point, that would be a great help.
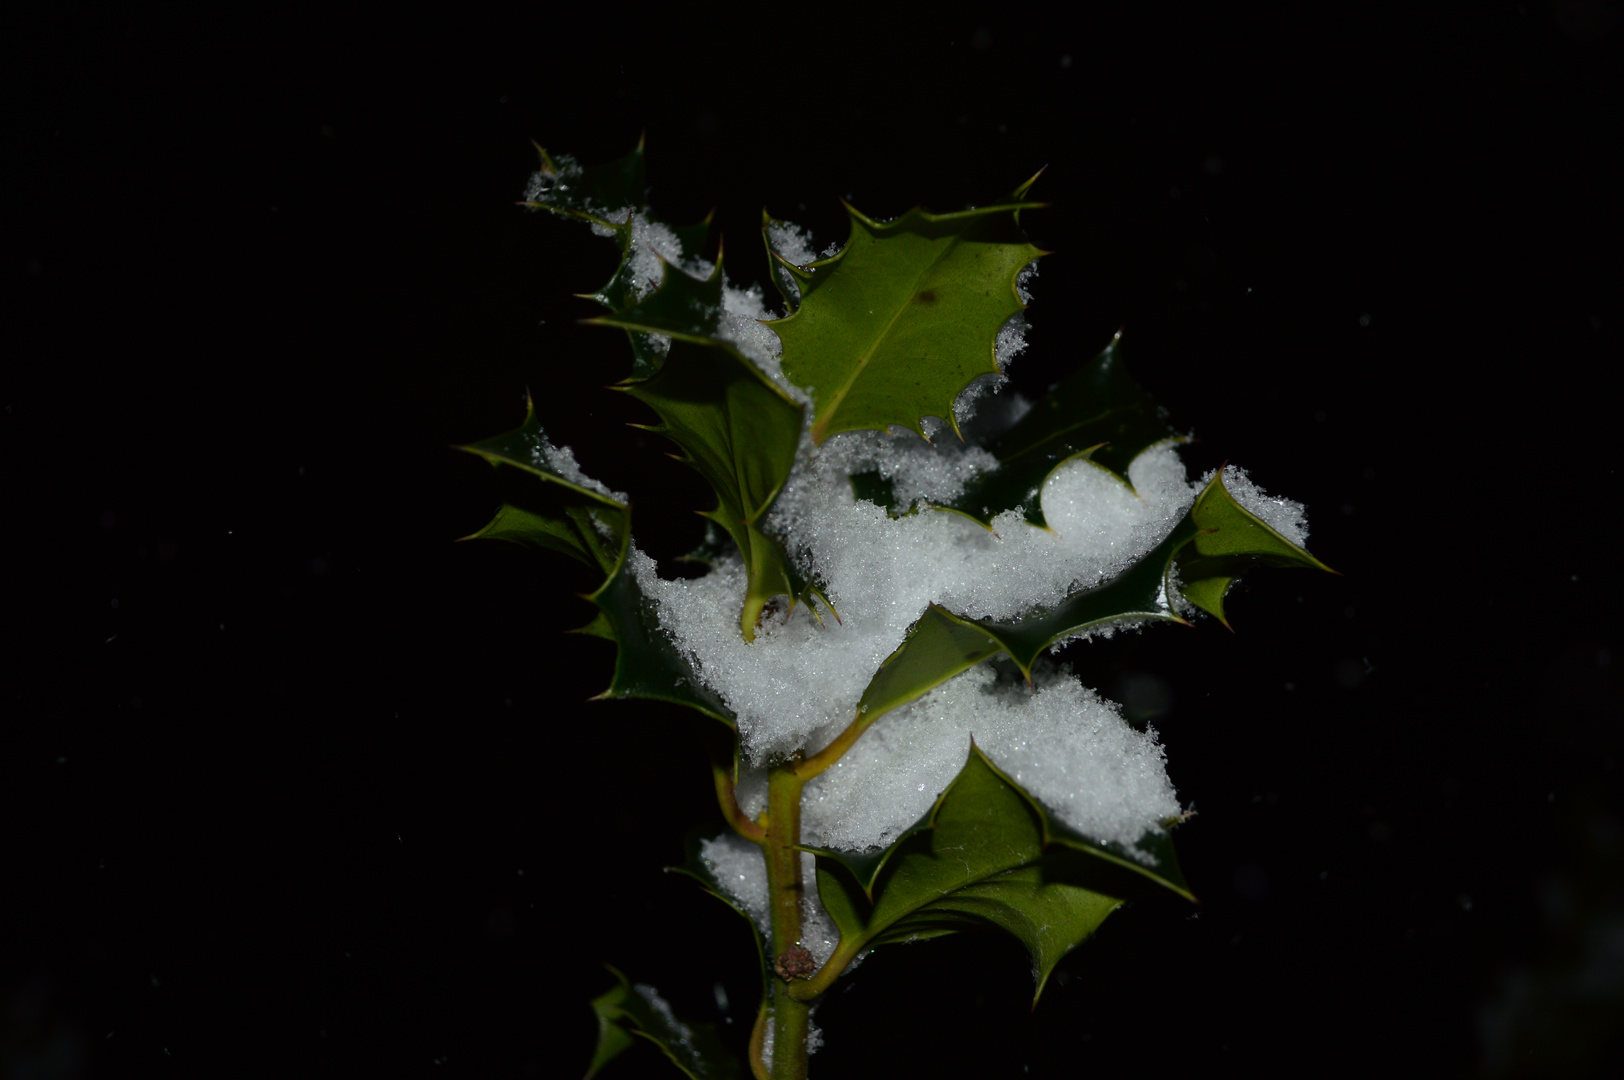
x: 739, y: 869
x: 1284, y: 516
x: 1062, y: 742
x: 798, y: 683
x: 561, y: 460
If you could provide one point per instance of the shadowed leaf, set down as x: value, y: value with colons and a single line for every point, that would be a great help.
x: 647, y: 663
x: 1098, y: 414
x: 740, y: 432
x: 612, y: 198
x: 562, y: 514
x: 628, y: 1014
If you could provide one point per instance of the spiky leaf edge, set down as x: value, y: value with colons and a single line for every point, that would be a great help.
x: 647, y: 663
x: 853, y: 887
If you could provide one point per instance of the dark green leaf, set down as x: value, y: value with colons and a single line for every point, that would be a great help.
x: 681, y: 306
x: 778, y: 266
x: 647, y: 663
x: 905, y: 317
x: 560, y: 514
x: 693, y: 866
x: 571, y: 190
x: 741, y: 432
x: 1230, y: 539
x: 989, y: 855
x: 626, y: 1013
x: 1137, y: 593
x: 1214, y: 543
x: 942, y: 644
x: 596, y: 194
x: 1098, y: 414
x: 621, y: 292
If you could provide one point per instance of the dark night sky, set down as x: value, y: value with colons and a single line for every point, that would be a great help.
x: 293, y: 783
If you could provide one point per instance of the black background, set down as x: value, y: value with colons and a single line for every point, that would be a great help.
x: 293, y: 783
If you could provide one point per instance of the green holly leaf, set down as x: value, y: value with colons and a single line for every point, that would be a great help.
x: 740, y: 432
x: 647, y: 663
x: 988, y: 856
x: 612, y: 198
x: 942, y: 644
x: 627, y: 1014
x: 680, y: 306
x: 568, y: 189
x: 1139, y: 592
x: 693, y: 867
x: 939, y: 646
x: 896, y: 325
x: 567, y: 513
x: 1212, y: 545
x: 1098, y: 414
x: 1229, y: 540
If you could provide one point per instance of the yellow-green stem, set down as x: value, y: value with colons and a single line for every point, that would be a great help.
x: 832, y: 753
x: 729, y: 803
x: 790, y: 1018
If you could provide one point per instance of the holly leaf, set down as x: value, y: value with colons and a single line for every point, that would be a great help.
x: 647, y: 663
x: 693, y: 867
x: 942, y: 644
x: 896, y: 325
x: 777, y: 237
x: 1229, y: 540
x: 1200, y: 559
x: 680, y: 306
x: 1097, y: 414
x: 740, y: 432
x: 612, y: 198
x: 564, y: 187
x: 552, y: 506
x: 567, y: 513
x: 989, y: 856
x: 628, y: 1014
x: 1139, y: 592
x: 937, y: 647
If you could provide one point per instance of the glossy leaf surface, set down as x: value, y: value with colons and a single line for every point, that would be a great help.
x: 681, y: 306
x: 1230, y: 539
x: 1215, y: 543
x: 938, y: 647
x: 628, y: 1014
x: 546, y: 511
x: 988, y: 856
x: 896, y: 325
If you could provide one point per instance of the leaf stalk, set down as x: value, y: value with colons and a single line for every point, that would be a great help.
x: 729, y: 802
x: 832, y: 753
